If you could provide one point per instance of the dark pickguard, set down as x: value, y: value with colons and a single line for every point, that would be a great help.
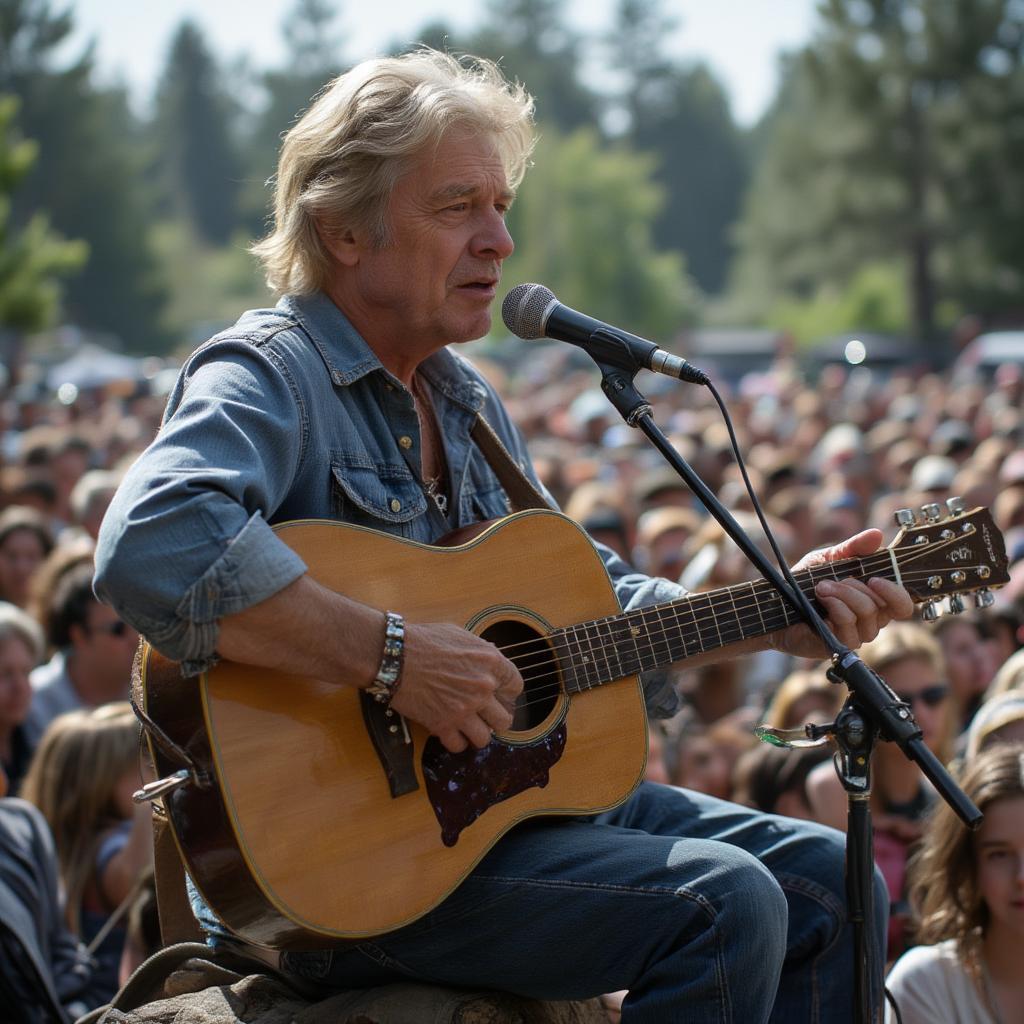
x: 462, y: 786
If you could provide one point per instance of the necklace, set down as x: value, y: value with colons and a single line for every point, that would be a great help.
x: 432, y: 464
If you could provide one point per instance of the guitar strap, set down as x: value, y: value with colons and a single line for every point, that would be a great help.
x: 522, y: 494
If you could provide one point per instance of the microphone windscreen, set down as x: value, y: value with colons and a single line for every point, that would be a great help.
x: 525, y: 310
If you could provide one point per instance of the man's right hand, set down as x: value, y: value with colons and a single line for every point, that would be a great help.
x: 459, y: 687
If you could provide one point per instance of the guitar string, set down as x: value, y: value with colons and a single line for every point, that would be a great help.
x: 880, y: 560
x: 658, y: 642
x: 745, y: 599
x: 775, y: 620
x: 749, y: 609
x: 545, y: 692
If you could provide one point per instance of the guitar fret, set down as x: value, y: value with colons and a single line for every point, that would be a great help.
x: 590, y: 658
x: 706, y: 625
x: 690, y: 604
x: 617, y: 635
x: 634, y: 632
x: 599, y: 652
x: 735, y: 631
x: 757, y: 605
x: 579, y: 662
x: 651, y: 661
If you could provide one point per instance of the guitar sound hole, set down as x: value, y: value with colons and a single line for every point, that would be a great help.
x: 530, y: 653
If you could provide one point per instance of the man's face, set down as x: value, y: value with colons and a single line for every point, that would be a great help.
x: 432, y: 283
x: 16, y: 661
x: 105, y: 647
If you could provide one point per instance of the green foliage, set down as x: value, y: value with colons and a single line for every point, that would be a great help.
x: 899, y: 130
x: 209, y: 285
x: 681, y: 114
x: 89, y: 177
x: 583, y: 226
x: 200, y: 168
x: 34, y: 257
x: 874, y: 300
x: 534, y: 44
x: 314, y: 56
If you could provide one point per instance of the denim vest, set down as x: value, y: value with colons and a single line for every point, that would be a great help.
x: 289, y: 414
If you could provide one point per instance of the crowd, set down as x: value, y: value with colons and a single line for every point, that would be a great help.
x: 827, y: 456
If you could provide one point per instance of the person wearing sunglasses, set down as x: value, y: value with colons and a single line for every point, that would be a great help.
x: 910, y: 660
x: 93, y: 651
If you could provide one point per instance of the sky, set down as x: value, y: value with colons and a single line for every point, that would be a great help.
x: 739, y: 39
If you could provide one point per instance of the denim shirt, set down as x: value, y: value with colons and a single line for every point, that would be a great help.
x: 286, y: 415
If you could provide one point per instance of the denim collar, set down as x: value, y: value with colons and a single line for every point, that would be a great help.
x: 348, y: 358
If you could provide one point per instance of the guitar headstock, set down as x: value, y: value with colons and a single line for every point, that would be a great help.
x: 947, y: 556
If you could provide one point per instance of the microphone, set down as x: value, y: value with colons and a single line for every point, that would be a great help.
x: 531, y: 311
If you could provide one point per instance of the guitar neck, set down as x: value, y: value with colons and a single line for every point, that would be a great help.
x: 603, y: 650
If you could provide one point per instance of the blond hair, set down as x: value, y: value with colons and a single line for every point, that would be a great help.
x: 944, y: 884
x: 900, y: 641
x: 910, y: 641
x: 74, y: 774
x: 341, y: 161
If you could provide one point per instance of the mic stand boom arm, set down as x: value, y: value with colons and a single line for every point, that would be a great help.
x: 871, y: 710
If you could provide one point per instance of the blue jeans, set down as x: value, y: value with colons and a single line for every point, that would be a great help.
x: 704, y: 910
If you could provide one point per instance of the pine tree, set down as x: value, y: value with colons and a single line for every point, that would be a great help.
x: 200, y: 167
x: 89, y: 176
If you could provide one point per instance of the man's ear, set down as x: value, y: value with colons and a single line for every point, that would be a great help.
x: 343, y: 244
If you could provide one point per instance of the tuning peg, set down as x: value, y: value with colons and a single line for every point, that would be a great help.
x: 905, y: 517
x: 956, y: 603
x: 956, y: 506
x: 931, y: 512
x: 930, y: 611
x: 984, y: 598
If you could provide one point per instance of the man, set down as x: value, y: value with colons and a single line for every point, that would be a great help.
x: 343, y: 402
x: 94, y: 650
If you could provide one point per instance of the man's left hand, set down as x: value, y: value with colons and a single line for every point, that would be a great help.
x: 855, y: 609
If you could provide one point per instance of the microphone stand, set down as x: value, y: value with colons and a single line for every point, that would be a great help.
x: 870, y: 711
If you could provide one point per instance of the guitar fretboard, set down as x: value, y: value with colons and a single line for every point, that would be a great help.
x: 602, y: 650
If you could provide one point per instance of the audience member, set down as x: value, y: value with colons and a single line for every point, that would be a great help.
x: 804, y: 696
x: 82, y: 778
x: 1000, y: 719
x: 774, y: 779
x: 21, y: 649
x: 970, y: 664
x: 966, y: 892
x: 25, y: 540
x: 45, y: 973
x: 908, y: 658
x: 93, y: 652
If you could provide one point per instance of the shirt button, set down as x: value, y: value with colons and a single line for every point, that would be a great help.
x: 396, y: 505
x: 405, y: 441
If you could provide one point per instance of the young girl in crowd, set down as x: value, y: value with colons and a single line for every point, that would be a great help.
x: 968, y: 890
x: 82, y: 778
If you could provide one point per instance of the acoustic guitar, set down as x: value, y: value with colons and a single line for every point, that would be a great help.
x: 308, y: 816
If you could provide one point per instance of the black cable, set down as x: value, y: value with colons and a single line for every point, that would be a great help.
x: 813, y: 621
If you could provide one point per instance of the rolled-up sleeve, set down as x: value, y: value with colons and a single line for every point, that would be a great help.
x: 186, y: 539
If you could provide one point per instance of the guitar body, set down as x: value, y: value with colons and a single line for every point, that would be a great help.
x: 297, y: 841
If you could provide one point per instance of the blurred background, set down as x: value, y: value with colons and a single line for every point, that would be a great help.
x: 724, y: 178
x: 821, y: 202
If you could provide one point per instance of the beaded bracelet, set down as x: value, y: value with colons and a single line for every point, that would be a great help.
x: 389, y: 676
